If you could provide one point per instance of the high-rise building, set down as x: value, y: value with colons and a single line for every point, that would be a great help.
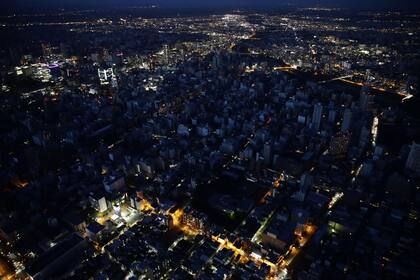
x: 366, y: 100
x: 306, y: 180
x: 331, y: 116
x: 339, y: 144
x: 413, y: 160
x: 267, y: 153
x: 317, y: 116
x: 166, y: 54
x: 345, y: 126
x: 99, y: 202
x: 106, y: 76
x: 364, y: 136
x: 114, y: 82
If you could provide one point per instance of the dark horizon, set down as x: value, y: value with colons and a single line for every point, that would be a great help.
x: 20, y: 6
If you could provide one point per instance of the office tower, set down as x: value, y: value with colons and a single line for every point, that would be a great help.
x: 331, y: 116
x: 317, y: 116
x: 413, y: 160
x: 267, y: 153
x: 306, y: 180
x: 345, y: 126
x: 339, y: 144
x: 366, y: 100
x: 106, y: 75
x: 364, y: 136
x: 114, y: 82
x: 98, y: 201
x: 166, y: 54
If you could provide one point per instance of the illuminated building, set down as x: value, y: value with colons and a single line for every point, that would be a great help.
x: 114, y: 82
x: 106, y: 76
x: 374, y: 130
x: 193, y: 219
x: 339, y: 144
x: 26, y: 71
x: 117, y: 209
x: 98, y: 201
x: 135, y: 202
x: 166, y: 54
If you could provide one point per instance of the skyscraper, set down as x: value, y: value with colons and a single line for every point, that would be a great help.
x: 317, y: 116
x: 166, y: 54
x: 267, y: 153
x: 346, y: 120
x: 366, y: 100
x: 105, y: 75
x: 331, y: 116
x: 306, y: 180
x: 339, y: 144
x: 413, y: 160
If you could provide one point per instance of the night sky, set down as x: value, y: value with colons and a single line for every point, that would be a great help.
x: 20, y: 5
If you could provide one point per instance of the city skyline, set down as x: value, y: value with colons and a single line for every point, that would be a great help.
x: 220, y: 141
